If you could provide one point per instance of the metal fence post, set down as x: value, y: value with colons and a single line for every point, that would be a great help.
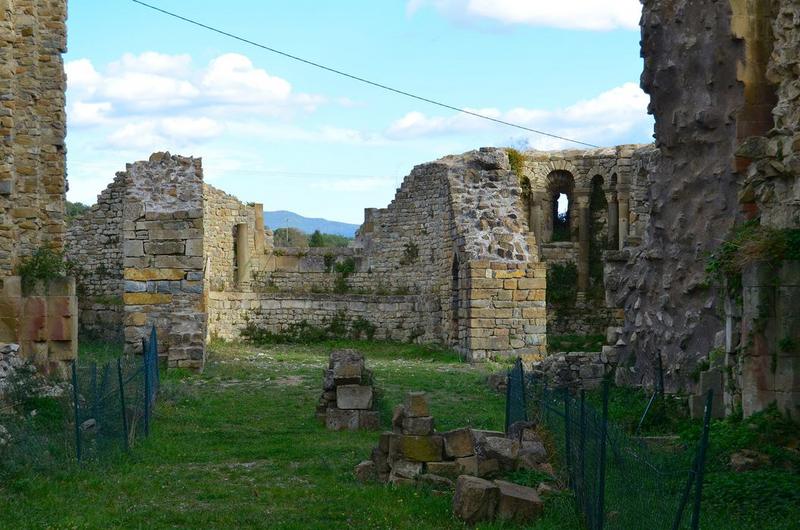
x: 77, y: 411
x: 601, y: 490
x: 122, y: 402
x: 568, y: 449
x: 146, y: 396
x: 509, y: 386
x: 582, y: 439
x: 701, y: 460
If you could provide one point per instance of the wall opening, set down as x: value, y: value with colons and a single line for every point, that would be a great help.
x: 560, y: 186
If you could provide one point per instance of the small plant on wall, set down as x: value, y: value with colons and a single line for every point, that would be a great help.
x: 44, y: 265
x: 562, y: 284
x: 410, y: 253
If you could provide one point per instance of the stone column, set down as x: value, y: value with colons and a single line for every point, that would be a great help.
x: 536, y: 216
x: 613, y: 220
x: 242, y: 255
x: 544, y: 200
x: 624, y: 214
x: 584, y: 227
x: 260, y: 233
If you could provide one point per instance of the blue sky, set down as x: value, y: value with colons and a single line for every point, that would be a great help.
x: 279, y: 132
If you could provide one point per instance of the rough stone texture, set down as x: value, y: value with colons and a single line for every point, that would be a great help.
x: 421, y: 448
x: 519, y: 504
x: 33, y: 36
x: 576, y: 369
x: 358, y: 397
x: 43, y: 322
x: 475, y: 499
x: 459, y: 443
x: 690, y: 71
x: 162, y: 218
x: 346, y: 402
x: 504, y: 450
x: 416, y: 405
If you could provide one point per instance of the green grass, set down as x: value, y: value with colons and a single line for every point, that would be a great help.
x: 575, y: 343
x: 238, y: 447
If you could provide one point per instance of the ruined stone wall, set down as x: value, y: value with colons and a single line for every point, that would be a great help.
x: 32, y: 128
x: 223, y: 216
x: 94, y: 243
x: 690, y: 71
x: 398, y: 318
x: 163, y: 257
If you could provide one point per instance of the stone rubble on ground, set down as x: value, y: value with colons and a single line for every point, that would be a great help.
x: 348, y: 396
x: 414, y: 453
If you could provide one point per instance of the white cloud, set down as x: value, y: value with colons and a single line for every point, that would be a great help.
x: 232, y: 78
x: 83, y: 114
x: 611, y: 117
x: 153, y: 63
x: 597, y: 15
x: 164, y: 133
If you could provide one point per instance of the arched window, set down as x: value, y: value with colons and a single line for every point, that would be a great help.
x: 560, y: 187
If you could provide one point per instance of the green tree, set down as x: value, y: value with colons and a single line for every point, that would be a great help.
x: 316, y: 239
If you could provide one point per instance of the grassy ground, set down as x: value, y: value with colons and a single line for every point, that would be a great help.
x: 238, y: 447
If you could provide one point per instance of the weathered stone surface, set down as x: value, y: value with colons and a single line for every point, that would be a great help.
x: 369, y: 420
x: 422, y: 448
x: 475, y: 499
x: 435, y: 482
x: 420, y: 426
x: 406, y: 468
x: 459, y: 443
x: 416, y: 405
x: 366, y: 471
x: 504, y: 450
x: 531, y: 454
x: 342, y: 420
x: 519, y: 504
x: 353, y: 397
x: 748, y: 460
x: 468, y: 465
x: 445, y: 469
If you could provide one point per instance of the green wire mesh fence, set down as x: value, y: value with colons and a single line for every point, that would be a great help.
x: 113, y: 402
x: 100, y: 409
x: 619, y: 480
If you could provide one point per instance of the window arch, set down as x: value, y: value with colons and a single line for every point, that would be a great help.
x: 560, y: 188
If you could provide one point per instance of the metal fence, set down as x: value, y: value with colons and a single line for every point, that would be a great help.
x: 619, y: 480
x: 113, y: 402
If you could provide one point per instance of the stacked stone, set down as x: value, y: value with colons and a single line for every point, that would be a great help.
x: 577, y: 369
x: 347, y: 401
x: 10, y: 362
x: 413, y: 452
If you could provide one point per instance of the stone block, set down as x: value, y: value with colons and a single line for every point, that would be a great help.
x: 154, y: 274
x: 350, y: 397
x: 519, y: 504
x: 475, y: 499
x: 406, y: 468
x: 133, y: 248
x: 488, y: 467
x: 444, y: 469
x: 531, y: 454
x: 416, y: 405
x: 459, y: 443
x: 385, y: 441
x: 327, y: 380
x: 341, y: 420
x: 365, y: 471
x: 418, y: 426
x: 504, y: 450
x: 421, y: 448
x: 146, y: 298
x: 435, y: 482
x: 369, y: 420
x: 348, y: 372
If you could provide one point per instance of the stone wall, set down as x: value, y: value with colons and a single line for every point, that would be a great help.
x: 42, y: 319
x: 691, y: 69
x: 162, y: 241
x: 94, y: 243
x: 397, y: 318
x: 32, y: 128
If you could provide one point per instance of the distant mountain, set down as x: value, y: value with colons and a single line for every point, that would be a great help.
x: 282, y: 218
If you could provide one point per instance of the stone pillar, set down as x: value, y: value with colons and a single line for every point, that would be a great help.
x: 624, y: 214
x: 544, y: 201
x: 259, y: 232
x: 242, y: 255
x: 584, y: 227
x: 613, y: 220
x: 536, y: 217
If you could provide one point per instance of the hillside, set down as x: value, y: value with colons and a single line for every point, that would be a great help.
x: 280, y: 219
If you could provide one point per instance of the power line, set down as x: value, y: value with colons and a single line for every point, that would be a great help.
x: 357, y: 78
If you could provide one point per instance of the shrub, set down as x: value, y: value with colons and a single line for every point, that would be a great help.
x: 562, y: 284
x: 43, y: 265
